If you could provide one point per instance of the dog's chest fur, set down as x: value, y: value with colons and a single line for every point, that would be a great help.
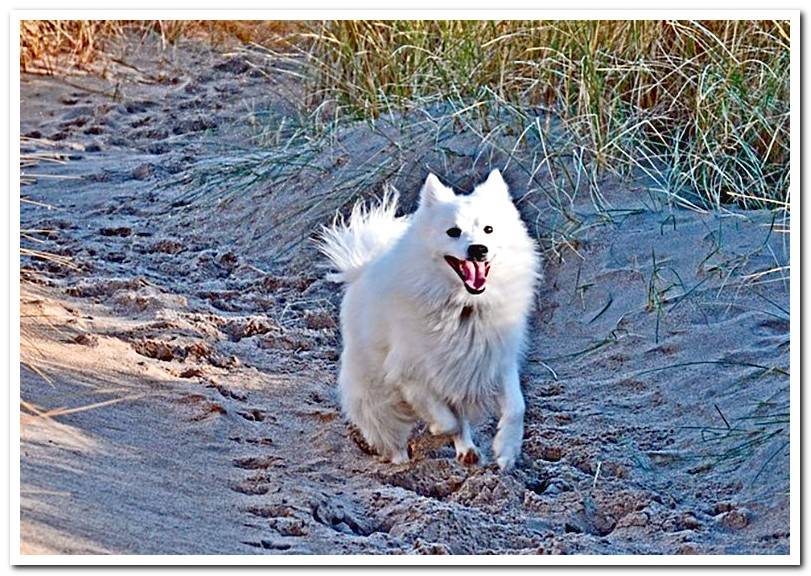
x: 466, y: 354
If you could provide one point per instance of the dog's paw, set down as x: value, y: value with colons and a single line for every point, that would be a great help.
x: 506, y: 454
x: 443, y: 428
x: 400, y: 457
x: 507, y: 446
x: 468, y: 457
x: 505, y: 462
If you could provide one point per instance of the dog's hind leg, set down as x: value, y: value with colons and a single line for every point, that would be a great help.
x: 442, y: 419
x: 430, y: 408
x: 381, y: 416
x: 386, y: 426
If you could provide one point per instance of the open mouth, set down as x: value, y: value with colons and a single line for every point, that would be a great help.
x: 472, y: 273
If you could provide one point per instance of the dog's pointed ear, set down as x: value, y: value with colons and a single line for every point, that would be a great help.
x: 494, y: 185
x: 495, y: 179
x: 434, y: 192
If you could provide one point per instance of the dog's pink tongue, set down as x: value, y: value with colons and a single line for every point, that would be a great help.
x: 475, y: 273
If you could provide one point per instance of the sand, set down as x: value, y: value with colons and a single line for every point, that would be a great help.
x: 197, y: 341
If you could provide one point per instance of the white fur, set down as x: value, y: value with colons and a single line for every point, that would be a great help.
x: 416, y: 344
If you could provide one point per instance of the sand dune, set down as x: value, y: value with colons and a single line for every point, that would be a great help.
x: 197, y: 342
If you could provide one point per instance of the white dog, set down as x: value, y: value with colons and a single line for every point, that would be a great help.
x: 434, y: 318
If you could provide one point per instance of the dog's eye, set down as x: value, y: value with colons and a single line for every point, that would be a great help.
x: 454, y: 232
x: 488, y: 229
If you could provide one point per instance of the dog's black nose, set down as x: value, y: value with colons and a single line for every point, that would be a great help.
x: 477, y: 252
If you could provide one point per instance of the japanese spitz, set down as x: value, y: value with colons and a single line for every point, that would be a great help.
x: 434, y: 318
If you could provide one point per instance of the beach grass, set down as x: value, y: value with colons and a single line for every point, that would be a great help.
x: 698, y: 106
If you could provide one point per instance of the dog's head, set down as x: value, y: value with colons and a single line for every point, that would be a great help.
x: 469, y: 236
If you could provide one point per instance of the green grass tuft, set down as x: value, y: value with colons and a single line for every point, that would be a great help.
x: 700, y: 107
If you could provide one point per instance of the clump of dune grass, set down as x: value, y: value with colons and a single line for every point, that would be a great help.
x: 733, y: 443
x: 58, y: 46
x: 31, y: 240
x: 46, y: 44
x: 701, y: 108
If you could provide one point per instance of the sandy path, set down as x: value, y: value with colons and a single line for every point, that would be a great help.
x: 216, y: 330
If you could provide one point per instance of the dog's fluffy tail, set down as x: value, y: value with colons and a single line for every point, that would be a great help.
x: 372, y: 228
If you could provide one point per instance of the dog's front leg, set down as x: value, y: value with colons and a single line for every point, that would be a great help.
x: 466, y: 451
x: 507, y: 444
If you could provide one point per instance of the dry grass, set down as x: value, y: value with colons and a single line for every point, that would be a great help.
x: 30, y: 239
x: 46, y: 44
x: 58, y: 46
